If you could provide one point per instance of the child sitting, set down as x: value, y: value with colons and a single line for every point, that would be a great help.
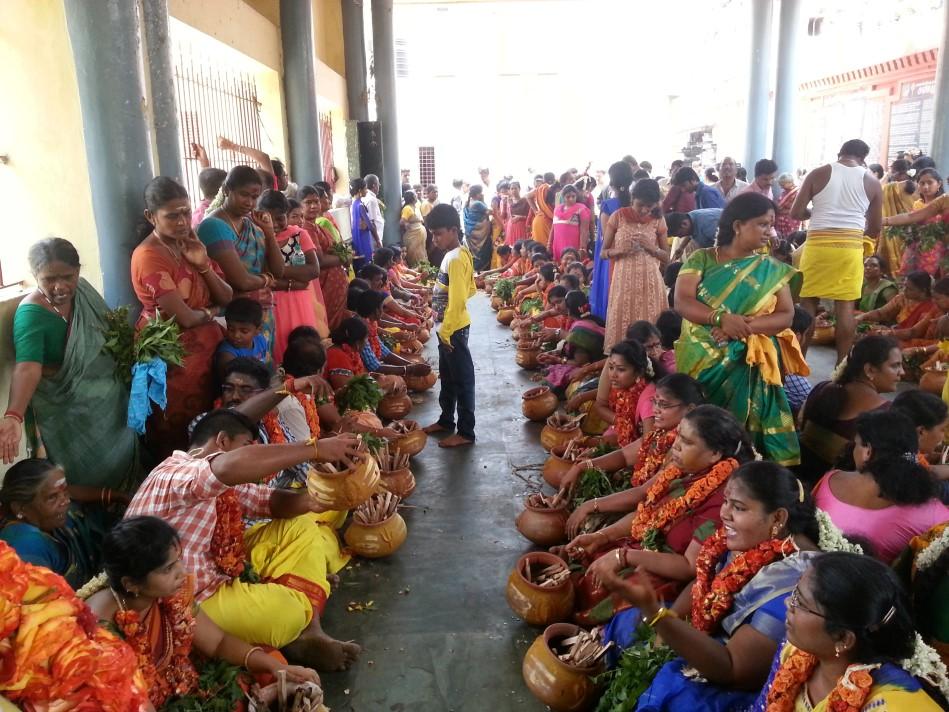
x: 669, y: 323
x: 243, y: 336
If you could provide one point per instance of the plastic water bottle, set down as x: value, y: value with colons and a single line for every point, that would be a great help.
x: 297, y: 257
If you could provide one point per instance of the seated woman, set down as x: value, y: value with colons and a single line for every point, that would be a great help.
x: 874, y: 366
x: 913, y: 307
x: 922, y: 341
x: 520, y: 263
x: 543, y: 281
x: 582, y: 347
x: 344, y: 357
x: 376, y: 356
x: 744, y: 574
x: 674, y: 513
x: 385, y: 258
x: 676, y: 395
x: 45, y: 523
x: 930, y: 415
x: 405, y: 277
x: 149, y: 603
x: 848, y: 627
x: 878, y: 291
x: 890, y: 497
x: 669, y: 324
x: 624, y: 397
x: 647, y: 334
x: 405, y: 315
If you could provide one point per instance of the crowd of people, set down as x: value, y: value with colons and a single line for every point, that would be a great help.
x: 786, y: 542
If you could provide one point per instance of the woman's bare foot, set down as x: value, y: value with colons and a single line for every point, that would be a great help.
x: 455, y: 441
x: 321, y: 652
x: 436, y: 428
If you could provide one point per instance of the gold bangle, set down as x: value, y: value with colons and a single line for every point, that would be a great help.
x: 249, y: 653
x: 316, y: 451
x: 663, y: 612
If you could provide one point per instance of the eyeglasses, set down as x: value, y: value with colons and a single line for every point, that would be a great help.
x: 241, y: 390
x: 664, y: 405
x: 794, y: 601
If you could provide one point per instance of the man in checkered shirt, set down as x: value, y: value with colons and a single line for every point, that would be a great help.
x: 288, y: 553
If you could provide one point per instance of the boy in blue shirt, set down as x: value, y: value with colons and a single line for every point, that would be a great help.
x: 243, y: 336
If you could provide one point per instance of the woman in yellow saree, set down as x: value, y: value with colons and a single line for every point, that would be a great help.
x: 736, y: 340
x: 541, y: 202
x: 899, y: 194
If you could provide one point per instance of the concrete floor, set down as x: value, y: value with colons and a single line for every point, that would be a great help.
x: 439, y: 635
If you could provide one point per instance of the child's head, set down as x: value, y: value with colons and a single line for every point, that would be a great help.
x: 210, y: 181
x: 679, y: 224
x: 545, y: 275
x: 303, y: 357
x: 645, y: 333
x: 941, y: 294
x: 375, y: 275
x: 555, y: 299
x: 537, y: 249
x: 504, y: 252
x: 578, y: 270
x: 576, y: 303
x: 369, y: 304
x: 351, y: 332
x: 801, y: 322
x: 396, y: 254
x: 383, y: 257
x: 244, y: 317
x: 445, y: 225
x: 569, y: 255
x: 569, y: 281
x: 669, y: 323
x: 356, y: 287
x: 304, y: 332
x: 519, y: 248
x: 295, y: 216
x: 275, y: 203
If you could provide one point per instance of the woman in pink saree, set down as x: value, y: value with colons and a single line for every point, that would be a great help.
x: 571, y: 220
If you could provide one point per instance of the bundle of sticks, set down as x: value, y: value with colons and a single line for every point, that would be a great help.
x: 376, y: 509
x: 328, y: 467
x: 573, y: 451
x: 391, y: 460
x: 582, y: 650
x: 560, y: 421
x: 539, y: 501
x: 546, y: 577
x: 404, y: 427
x: 283, y: 696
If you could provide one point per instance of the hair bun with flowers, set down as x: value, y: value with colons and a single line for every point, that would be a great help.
x: 831, y: 538
x: 927, y: 664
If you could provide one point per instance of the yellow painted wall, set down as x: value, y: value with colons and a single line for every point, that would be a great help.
x: 236, y: 24
x: 328, y: 34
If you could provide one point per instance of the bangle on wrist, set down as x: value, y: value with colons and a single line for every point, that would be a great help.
x: 316, y: 450
x: 249, y: 653
x: 10, y: 413
x: 207, y: 268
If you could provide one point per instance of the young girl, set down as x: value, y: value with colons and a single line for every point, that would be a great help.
x: 909, y: 311
x: 625, y: 395
x: 916, y: 255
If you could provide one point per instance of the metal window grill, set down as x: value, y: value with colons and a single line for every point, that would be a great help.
x: 214, y: 101
x: 426, y: 165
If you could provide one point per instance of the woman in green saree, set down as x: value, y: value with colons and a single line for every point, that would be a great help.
x: 64, y: 386
x: 877, y: 289
x: 736, y: 341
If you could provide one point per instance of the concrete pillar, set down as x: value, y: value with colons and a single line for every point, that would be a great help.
x: 161, y: 84
x: 785, y: 94
x: 756, y: 132
x: 383, y: 55
x: 299, y: 84
x: 105, y: 39
x: 940, y: 142
x: 354, y: 48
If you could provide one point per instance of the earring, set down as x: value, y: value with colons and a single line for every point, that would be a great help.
x: 774, y: 531
x: 20, y: 515
x: 837, y: 651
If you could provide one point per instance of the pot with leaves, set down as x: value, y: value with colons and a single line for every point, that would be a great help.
x: 394, y: 406
x: 338, y: 487
x: 358, y: 402
x: 560, y: 430
x: 539, y: 403
x: 397, y: 478
x: 411, y: 439
x: 540, y: 590
x: 561, y: 666
x: 504, y: 290
x: 427, y: 272
x: 377, y: 529
x: 421, y: 383
x: 541, y: 522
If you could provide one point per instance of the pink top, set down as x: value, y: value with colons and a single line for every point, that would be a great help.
x: 889, y: 529
x: 753, y: 188
x: 198, y: 215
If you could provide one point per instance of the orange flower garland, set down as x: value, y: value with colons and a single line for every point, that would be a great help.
x: 374, y: 342
x: 227, y: 541
x: 623, y: 402
x: 713, y: 594
x: 652, y: 454
x: 174, y: 674
x: 653, y: 518
x: 849, y: 695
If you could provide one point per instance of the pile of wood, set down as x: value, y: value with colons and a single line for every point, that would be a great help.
x: 283, y: 696
x: 377, y: 509
x: 539, y: 501
x: 562, y: 421
x: 391, y: 460
x: 546, y: 577
x: 581, y: 650
x: 404, y: 427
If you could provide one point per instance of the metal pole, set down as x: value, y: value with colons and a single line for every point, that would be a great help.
x: 354, y: 48
x: 299, y: 85
x: 785, y: 94
x: 162, y: 87
x: 940, y: 142
x: 386, y: 109
x: 104, y: 37
x: 757, y: 129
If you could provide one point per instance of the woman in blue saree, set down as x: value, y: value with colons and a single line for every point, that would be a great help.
x: 621, y: 178
x: 477, y: 224
x: 744, y: 573
x: 364, y: 230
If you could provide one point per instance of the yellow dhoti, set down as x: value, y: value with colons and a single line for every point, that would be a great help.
x: 832, y: 264
x: 540, y: 229
x: 293, y: 558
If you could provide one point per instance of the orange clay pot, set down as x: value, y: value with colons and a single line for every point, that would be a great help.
x: 401, y: 482
x: 932, y: 381
x: 562, y: 687
x: 543, y: 526
x: 423, y: 335
x: 412, y: 443
x: 346, y: 489
x: 373, y: 541
x: 555, y: 436
x: 506, y: 316
x: 539, y: 605
x: 421, y: 383
x: 539, y: 403
x: 556, y: 467
x: 394, y: 407
x: 496, y: 303
x: 527, y: 358
x: 823, y: 336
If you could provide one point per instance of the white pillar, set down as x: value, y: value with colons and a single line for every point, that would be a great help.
x: 756, y: 132
x: 785, y: 93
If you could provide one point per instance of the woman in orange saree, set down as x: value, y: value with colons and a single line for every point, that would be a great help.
x: 541, y: 202
x: 334, y: 278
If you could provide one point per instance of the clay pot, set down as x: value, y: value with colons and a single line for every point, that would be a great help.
x: 527, y: 358
x: 543, y: 526
x: 556, y: 467
x: 401, y: 482
x: 823, y: 335
x: 394, y: 407
x: 414, y: 358
x: 593, y: 424
x: 932, y: 381
x: 496, y: 303
x: 346, y: 489
x: 539, y: 403
x: 539, y: 605
x: 412, y: 443
x: 374, y: 541
x: 412, y: 346
x: 479, y: 282
x: 421, y: 383
x: 557, y: 436
x: 423, y: 335
x: 562, y: 687
x: 506, y: 316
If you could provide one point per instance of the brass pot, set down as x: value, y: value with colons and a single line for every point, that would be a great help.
x: 562, y: 687
x: 400, y: 482
x: 557, y: 436
x: 374, y: 541
x: 506, y: 315
x: 412, y: 443
x: 421, y: 383
x: 527, y: 358
x: 394, y: 407
x: 542, y: 525
x: 823, y: 335
x: 539, y: 403
x: 345, y: 489
x: 539, y: 605
x: 932, y: 381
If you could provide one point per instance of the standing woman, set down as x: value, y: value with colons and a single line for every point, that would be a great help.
x: 172, y: 275
x: 571, y: 222
x: 477, y: 219
x: 364, y: 229
x: 413, y: 230
x: 541, y: 202
x: 241, y: 240
x: 62, y: 377
x: 621, y: 178
x: 918, y: 256
x: 518, y: 210
x: 736, y: 338
x: 334, y: 272
x: 636, y: 239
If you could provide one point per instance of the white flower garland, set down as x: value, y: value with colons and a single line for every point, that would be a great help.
x: 831, y: 538
x: 93, y: 585
x: 926, y: 664
x: 928, y: 556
